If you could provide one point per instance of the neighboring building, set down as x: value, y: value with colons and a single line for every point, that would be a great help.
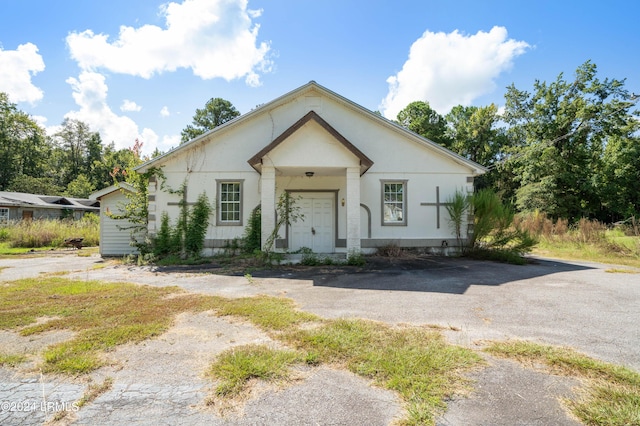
x: 19, y: 206
x: 115, y: 235
x: 361, y: 180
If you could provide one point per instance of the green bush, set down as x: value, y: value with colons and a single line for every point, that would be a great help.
x: 186, y: 238
x: 197, y: 225
x: 4, y: 233
x: 162, y: 241
x: 253, y: 232
x: 494, y: 226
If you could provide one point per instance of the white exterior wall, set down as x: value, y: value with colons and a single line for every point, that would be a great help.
x: 396, y: 156
x: 114, y: 241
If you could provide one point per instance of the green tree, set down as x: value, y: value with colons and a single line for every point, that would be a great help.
x: 79, y: 148
x: 80, y: 187
x: 34, y: 185
x: 558, y: 133
x: 23, y: 144
x: 620, y: 178
x: 421, y: 119
x: 102, y: 172
x: 475, y: 133
x: 216, y: 111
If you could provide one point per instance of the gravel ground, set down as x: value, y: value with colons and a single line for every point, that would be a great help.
x: 162, y: 381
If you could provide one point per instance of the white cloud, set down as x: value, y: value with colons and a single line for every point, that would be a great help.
x: 214, y: 38
x: 164, y: 112
x: 169, y: 142
x: 130, y: 106
x: 451, y: 69
x: 16, y: 69
x: 90, y: 94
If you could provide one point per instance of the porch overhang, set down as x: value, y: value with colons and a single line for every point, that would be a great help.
x: 317, y: 168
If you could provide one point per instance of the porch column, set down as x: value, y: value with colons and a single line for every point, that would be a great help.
x: 268, y: 204
x: 353, y: 210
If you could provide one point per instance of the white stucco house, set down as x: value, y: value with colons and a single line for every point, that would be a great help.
x: 361, y: 181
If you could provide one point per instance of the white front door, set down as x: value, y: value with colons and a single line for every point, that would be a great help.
x: 315, y: 229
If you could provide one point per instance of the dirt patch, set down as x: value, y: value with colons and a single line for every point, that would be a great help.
x: 14, y: 343
x: 182, y: 353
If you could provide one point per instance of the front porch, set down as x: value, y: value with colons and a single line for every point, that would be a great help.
x: 326, y: 203
x: 315, y: 161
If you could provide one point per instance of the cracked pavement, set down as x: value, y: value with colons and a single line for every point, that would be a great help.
x: 162, y: 381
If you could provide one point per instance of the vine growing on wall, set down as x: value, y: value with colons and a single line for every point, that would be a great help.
x: 135, y: 187
x: 287, y: 213
x: 186, y: 237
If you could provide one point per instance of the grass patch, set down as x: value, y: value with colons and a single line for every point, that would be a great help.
x: 7, y: 250
x: 415, y: 362
x: 611, y: 394
x: 10, y: 360
x: 589, y: 251
x: 235, y: 367
x: 267, y: 313
x: 103, y: 315
x: 622, y: 271
x: 94, y: 391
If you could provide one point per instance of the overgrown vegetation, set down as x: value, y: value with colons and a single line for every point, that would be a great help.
x: 251, y: 241
x: 494, y: 226
x: 50, y: 233
x: 135, y: 187
x: 610, y: 393
x: 103, y: 315
x: 586, y: 240
x: 236, y: 366
x: 186, y: 238
x: 458, y: 207
x: 495, y: 234
x: 11, y: 360
x: 415, y: 362
x: 287, y: 213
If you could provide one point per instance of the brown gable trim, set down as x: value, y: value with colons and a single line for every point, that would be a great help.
x: 365, y: 162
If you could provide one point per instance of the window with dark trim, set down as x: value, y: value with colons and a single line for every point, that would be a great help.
x: 394, y: 202
x: 229, y: 202
x: 4, y: 215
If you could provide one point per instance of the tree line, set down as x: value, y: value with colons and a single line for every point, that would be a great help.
x: 74, y: 162
x: 568, y: 149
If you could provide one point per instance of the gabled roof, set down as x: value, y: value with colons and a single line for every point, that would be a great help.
x: 22, y: 199
x: 113, y: 188
x: 365, y: 162
x: 313, y: 86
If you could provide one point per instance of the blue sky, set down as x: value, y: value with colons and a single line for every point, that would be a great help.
x: 139, y: 69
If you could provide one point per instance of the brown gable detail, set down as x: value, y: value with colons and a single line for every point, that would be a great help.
x: 365, y: 162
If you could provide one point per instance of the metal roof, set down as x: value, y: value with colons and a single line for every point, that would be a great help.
x: 21, y: 199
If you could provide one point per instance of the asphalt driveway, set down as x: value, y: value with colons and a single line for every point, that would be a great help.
x: 574, y: 304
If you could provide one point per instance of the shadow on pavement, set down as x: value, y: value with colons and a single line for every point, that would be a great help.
x: 445, y: 275
x: 420, y: 273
